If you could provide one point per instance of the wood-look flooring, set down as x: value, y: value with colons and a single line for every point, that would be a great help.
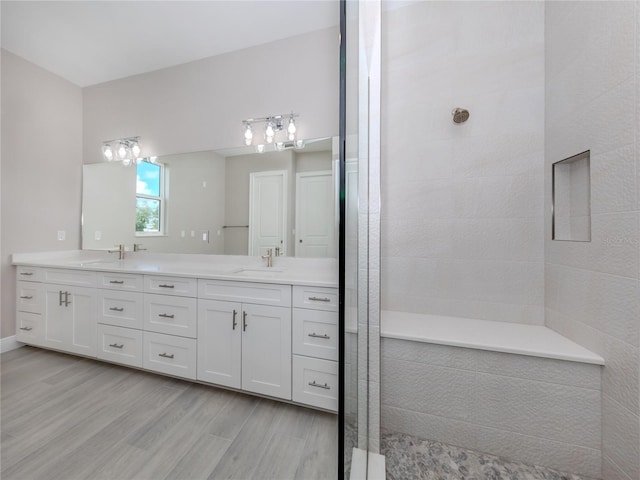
x: 65, y: 417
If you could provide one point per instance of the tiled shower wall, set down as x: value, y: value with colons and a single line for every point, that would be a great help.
x: 462, y: 208
x: 592, y: 291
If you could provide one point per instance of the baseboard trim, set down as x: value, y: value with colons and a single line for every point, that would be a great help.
x: 9, y: 343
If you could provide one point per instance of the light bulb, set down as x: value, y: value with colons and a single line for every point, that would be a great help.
x: 153, y: 159
x: 126, y: 162
x: 269, y: 132
x: 122, y: 151
x: 280, y: 146
x: 248, y: 135
x: 135, y: 149
x: 107, y: 152
x: 260, y: 148
x: 299, y: 144
x: 291, y: 129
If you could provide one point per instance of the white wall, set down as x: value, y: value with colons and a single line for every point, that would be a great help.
x: 200, y: 105
x: 41, y: 168
x: 592, y: 288
x: 462, y: 210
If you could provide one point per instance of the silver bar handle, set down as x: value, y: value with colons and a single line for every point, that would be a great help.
x: 166, y: 286
x: 314, y: 384
x: 26, y: 274
x: 115, y: 345
x: 27, y: 329
x: 26, y: 297
x: 234, y: 324
x: 117, y: 282
x: 60, y: 298
x: 66, y: 299
x: 165, y: 355
x: 117, y: 309
x: 244, y: 321
x: 166, y: 315
x: 319, y: 299
x: 315, y: 335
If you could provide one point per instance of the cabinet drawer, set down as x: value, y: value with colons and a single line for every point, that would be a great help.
x: 121, y: 281
x: 315, y: 333
x: 29, y: 274
x: 29, y: 297
x: 169, y: 354
x: 69, y: 277
x: 317, y: 298
x: 170, y: 315
x: 315, y: 382
x: 120, y: 345
x: 245, y: 292
x: 122, y: 309
x: 30, y: 328
x: 185, y: 287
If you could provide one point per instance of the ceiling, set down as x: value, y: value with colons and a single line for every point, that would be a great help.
x: 90, y: 42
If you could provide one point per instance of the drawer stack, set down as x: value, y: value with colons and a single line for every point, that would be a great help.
x: 315, y: 346
x: 29, y: 306
x: 120, y: 310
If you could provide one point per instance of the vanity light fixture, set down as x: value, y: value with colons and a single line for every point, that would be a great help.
x: 128, y: 150
x: 273, y: 124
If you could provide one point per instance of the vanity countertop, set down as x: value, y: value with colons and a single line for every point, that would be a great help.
x: 317, y: 272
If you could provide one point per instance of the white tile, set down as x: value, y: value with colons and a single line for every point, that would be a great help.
x: 556, y: 412
x: 621, y: 437
x: 431, y: 427
x: 416, y: 238
x: 540, y: 451
x: 540, y: 369
x: 430, y: 354
x: 611, y: 471
x: 613, y: 181
x: 434, y: 390
x: 620, y: 378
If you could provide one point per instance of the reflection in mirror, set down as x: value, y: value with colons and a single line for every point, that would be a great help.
x: 232, y: 201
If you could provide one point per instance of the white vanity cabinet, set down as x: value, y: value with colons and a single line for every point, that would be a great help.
x: 315, y: 346
x: 245, y: 344
x: 277, y: 340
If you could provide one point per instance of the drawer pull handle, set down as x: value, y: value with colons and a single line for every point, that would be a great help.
x: 117, y: 309
x: 234, y: 324
x: 165, y: 355
x: 315, y: 335
x: 166, y: 315
x: 117, y: 282
x: 26, y: 297
x: 319, y: 299
x: 244, y: 321
x: 26, y: 329
x: 115, y: 345
x: 166, y: 286
x: 26, y: 274
x: 314, y: 384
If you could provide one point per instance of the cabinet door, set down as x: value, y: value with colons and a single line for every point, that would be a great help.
x: 57, y: 327
x: 83, y: 309
x: 70, y: 319
x: 266, y: 350
x: 219, y: 342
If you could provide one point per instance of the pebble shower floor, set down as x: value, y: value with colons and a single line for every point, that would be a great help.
x: 412, y: 458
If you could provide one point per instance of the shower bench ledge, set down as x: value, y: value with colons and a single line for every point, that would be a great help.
x: 532, y: 340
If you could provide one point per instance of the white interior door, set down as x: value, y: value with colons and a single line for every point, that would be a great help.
x: 315, y: 221
x: 267, y: 212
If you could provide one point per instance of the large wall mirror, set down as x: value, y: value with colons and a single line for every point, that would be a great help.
x: 233, y: 201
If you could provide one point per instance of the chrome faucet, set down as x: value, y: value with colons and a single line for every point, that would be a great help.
x: 269, y: 257
x: 120, y: 251
x: 137, y: 247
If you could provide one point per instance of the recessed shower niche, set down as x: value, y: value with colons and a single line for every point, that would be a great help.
x: 572, y: 198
